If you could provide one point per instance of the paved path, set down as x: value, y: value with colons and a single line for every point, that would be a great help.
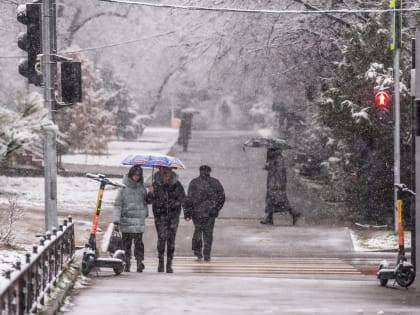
x: 255, y: 269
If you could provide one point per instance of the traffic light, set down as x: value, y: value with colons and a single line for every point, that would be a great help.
x: 31, y: 40
x: 382, y: 99
x: 71, y: 82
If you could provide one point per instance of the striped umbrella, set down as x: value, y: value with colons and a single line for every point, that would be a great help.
x: 153, y: 160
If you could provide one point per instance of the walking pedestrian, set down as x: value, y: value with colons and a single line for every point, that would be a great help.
x: 276, y: 197
x: 205, y: 199
x: 184, y: 135
x: 130, y: 212
x: 167, y: 196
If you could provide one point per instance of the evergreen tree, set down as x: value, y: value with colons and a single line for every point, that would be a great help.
x: 22, y: 124
x: 346, y: 106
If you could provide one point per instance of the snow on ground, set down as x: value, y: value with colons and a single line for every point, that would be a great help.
x: 373, y: 240
x: 153, y: 140
x: 75, y: 194
x: 79, y: 193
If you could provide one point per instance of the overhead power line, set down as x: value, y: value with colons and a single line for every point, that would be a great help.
x: 119, y: 43
x: 201, y: 8
x: 103, y: 46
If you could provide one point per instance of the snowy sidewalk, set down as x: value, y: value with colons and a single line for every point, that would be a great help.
x: 157, y: 140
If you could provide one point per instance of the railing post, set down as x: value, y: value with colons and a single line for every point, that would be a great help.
x: 31, y: 281
x: 28, y: 258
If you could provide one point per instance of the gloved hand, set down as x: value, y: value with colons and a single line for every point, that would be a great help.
x: 116, y: 227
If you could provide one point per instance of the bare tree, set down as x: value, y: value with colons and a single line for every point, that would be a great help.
x: 8, y: 218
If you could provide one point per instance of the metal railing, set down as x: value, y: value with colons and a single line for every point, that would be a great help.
x: 25, y: 288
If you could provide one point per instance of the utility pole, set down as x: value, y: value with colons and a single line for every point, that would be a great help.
x: 396, y: 5
x: 49, y: 75
x: 416, y: 114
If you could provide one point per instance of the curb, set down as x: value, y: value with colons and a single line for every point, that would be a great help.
x: 59, y: 293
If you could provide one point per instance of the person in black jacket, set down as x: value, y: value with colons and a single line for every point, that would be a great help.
x: 276, y: 196
x: 167, y: 195
x: 206, y: 198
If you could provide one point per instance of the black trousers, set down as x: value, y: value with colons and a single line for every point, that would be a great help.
x: 128, y: 239
x: 202, y: 239
x: 166, y: 229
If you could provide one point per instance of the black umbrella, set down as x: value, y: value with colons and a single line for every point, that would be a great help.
x: 266, y: 142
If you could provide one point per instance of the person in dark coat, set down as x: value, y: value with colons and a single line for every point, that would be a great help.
x: 184, y: 135
x: 130, y: 212
x: 167, y: 196
x: 276, y: 197
x: 205, y: 199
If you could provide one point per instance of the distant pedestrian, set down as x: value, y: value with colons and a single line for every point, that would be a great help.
x: 168, y: 196
x: 205, y: 199
x: 225, y: 112
x: 276, y: 197
x: 184, y: 135
x: 130, y: 212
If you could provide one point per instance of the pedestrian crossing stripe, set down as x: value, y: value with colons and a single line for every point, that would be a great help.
x: 263, y: 265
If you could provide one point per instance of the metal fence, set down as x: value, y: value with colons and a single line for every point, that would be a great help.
x: 25, y: 288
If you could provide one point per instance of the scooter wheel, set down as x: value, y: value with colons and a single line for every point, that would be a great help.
x: 87, y: 264
x: 405, y: 276
x: 383, y: 282
x: 118, y: 270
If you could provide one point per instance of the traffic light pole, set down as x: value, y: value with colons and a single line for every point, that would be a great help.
x: 396, y: 6
x: 416, y: 245
x: 50, y: 151
x: 397, y: 176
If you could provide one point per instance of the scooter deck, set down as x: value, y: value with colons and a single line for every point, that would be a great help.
x: 108, y: 262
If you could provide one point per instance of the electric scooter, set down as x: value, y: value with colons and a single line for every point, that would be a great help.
x: 403, y: 273
x: 91, y: 257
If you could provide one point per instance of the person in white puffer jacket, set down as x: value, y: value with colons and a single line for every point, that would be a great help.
x: 130, y: 212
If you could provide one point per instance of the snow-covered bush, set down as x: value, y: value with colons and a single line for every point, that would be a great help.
x: 22, y: 123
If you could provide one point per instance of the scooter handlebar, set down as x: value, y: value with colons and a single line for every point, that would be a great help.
x: 404, y: 188
x: 102, y: 178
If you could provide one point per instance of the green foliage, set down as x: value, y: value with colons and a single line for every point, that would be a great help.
x: 346, y: 106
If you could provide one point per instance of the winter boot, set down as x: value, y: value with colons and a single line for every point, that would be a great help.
x: 140, y: 266
x: 169, y: 266
x: 268, y: 219
x: 161, y: 265
x: 127, y: 265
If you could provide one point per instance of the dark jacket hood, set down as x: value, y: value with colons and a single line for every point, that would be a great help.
x: 159, y: 179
